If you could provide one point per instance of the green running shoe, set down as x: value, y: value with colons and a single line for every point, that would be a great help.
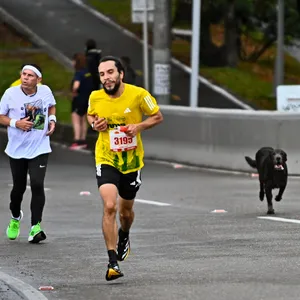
x: 36, y: 234
x: 13, y: 229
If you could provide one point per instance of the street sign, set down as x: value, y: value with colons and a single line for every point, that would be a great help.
x: 138, y: 10
x: 288, y: 98
x: 161, y: 79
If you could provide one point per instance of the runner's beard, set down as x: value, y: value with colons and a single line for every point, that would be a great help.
x: 115, y: 89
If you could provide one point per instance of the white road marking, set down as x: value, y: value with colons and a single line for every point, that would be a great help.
x: 23, y: 289
x: 219, y: 211
x: 280, y: 219
x: 152, y: 202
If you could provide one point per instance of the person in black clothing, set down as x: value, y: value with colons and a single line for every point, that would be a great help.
x: 93, y: 57
x: 130, y: 75
x: 82, y: 87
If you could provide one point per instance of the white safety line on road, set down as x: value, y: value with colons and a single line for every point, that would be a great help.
x: 280, y: 219
x: 23, y: 289
x: 152, y: 202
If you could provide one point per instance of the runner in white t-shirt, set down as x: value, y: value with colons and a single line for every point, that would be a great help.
x: 28, y: 111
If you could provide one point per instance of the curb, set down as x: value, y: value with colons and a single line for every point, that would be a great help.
x: 22, y: 289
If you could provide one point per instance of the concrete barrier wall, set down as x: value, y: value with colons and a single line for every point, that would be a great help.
x: 215, y: 138
x: 221, y: 138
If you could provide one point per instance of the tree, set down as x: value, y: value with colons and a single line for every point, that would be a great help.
x: 243, y: 21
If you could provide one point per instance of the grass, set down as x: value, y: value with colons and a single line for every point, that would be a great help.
x: 15, y: 51
x: 251, y: 81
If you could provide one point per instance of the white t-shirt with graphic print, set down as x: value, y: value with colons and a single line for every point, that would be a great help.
x: 17, y: 105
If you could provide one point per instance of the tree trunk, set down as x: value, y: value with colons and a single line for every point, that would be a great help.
x: 183, y: 12
x: 210, y: 54
x: 231, y: 35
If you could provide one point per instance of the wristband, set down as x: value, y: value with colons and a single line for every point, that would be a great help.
x: 12, y: 123
x: 52, y: 118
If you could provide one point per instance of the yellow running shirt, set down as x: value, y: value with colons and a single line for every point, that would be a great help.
x: 15, y: 83
x: 114, y: 147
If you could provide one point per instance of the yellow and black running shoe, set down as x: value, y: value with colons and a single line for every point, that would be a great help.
x: 113, y: 272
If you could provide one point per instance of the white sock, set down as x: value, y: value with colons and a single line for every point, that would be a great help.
x: 18, y: 219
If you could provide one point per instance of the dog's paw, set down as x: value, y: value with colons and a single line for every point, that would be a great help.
x: 278, y: 198
x: 261, y: 196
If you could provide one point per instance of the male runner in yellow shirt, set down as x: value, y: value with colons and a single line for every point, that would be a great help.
x: 116, y: 112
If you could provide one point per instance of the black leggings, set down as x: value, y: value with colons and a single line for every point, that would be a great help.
x: 37, y: 171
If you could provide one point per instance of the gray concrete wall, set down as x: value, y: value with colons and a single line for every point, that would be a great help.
x: 217, y: 138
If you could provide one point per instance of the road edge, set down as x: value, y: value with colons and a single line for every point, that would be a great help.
x: 21, y: 288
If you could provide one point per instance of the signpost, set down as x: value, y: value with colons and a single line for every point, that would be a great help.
x: 161, y: 54
x: 142, y: 11
x: 288, y: 98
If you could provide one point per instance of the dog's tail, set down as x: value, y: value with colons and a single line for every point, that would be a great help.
x: 251, y: 162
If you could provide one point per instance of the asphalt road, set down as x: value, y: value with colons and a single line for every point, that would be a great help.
x: 179, y: 251
x: 66, y: 26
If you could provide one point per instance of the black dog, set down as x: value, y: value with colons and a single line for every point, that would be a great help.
x: 273, y: 173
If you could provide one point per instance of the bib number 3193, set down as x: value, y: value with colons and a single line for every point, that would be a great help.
x: 120, y: 142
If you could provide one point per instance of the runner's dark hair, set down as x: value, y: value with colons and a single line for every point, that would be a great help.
x: 117, y: 61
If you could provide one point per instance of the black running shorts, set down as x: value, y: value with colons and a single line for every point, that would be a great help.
x: 127, y: 184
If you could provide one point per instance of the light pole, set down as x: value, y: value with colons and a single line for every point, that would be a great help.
x: 161, y: 51
x: 279, y: 63
x: 194, y: 82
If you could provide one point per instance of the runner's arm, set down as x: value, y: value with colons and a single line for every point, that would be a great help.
x: 151, y: 121
x: 4, y: 120
x: 150, y: 108
x: 133, y: 129
x: 23, y: 124
x: 91, y: 119
x: 52, y: 110
x: 98, y: 124
x: 75, y: 87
